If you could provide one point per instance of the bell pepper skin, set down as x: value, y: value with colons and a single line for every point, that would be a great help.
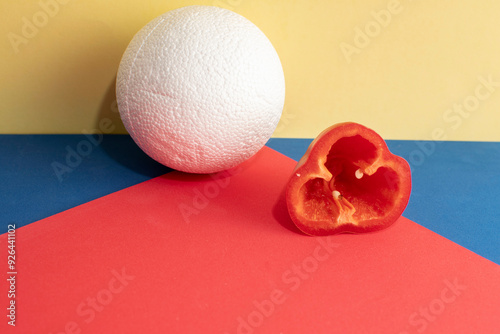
x: 348, y: 182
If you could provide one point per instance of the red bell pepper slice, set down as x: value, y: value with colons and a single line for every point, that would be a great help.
x: 348, y: 182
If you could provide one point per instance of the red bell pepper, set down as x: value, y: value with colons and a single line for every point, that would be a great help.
x: 348, y: 182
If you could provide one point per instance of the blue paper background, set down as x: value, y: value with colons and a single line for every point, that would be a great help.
x: 456, y: 185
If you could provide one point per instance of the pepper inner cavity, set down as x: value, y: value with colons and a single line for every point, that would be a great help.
x: 356, y: 195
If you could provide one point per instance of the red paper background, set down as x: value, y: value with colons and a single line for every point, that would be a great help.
x: 234, y: 249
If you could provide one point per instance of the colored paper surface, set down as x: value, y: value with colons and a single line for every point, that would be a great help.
x: 398, y: 66
x: 185, y: 253
x: 461, y: 176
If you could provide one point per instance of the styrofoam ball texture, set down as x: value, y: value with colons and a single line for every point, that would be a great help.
x: 200, y: 89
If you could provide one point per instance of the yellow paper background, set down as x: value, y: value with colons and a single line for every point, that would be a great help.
x: 403, y: 81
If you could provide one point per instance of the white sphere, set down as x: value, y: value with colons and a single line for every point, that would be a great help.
x: 200, y: 89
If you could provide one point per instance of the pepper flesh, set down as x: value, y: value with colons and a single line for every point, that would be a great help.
x: 348, y: 182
